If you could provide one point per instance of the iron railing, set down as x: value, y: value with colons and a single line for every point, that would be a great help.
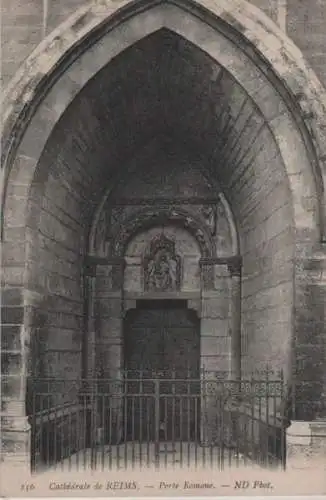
x: 158, y: 419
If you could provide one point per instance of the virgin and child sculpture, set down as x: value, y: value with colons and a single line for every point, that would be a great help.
x: 162, y: 268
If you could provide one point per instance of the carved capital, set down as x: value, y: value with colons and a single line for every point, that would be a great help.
x: 207, y: 265
x: 89, y: 268
x: 93, y: 261
x: 234, y: 262
x: 207, y: 277
x: 234, y: 270
x: 115, y: 266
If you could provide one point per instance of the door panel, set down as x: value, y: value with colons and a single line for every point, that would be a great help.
x: 162, y: 342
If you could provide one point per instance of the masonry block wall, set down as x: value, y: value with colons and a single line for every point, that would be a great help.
x: 270, y: 7
x: 264, y: 220
x: 85, y: 147
x: 108, y: 308
x: 210, y: 114
x: 216, y: 323
x: 57, y: 230
x: 25, y: 23
x: 310, y: 346
x: 165, y: 173
x: 49, y: 314
x: 260, y: 197
x: 306, y: 26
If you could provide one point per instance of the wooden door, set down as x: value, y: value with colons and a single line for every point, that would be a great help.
x: 162, y: 342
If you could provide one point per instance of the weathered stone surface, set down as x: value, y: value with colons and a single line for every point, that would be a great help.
x: 215, y: 363
x: 11, y: 337
x: 215, y: 345
x: 216, y: 307
x: 27, y: 18
x: 306, y: 445
x: 11, y: 362
x: 245, y: 137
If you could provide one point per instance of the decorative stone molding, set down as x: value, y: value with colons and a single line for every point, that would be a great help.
x: 268, y: 44
x: 162, y: 266
x: 233, y: 263
x: 211, y: 212
x: 102, y: 261
x: 316, y: 267
x: 156, y: 216
x: 193, y: 304
x: 278, y: 62
x: 116, y: 266
x: 210, y: 221
x: 165, y: 202
x: 173, y: 295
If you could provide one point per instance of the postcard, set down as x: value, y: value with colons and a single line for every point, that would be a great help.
x: 163, y: 242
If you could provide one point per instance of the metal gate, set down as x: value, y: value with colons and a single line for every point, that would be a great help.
x: 152, y: 420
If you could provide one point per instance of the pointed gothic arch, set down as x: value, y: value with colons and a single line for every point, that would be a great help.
x: 63, y: 65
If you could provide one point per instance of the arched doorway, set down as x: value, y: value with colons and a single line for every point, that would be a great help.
x: 238, y: 118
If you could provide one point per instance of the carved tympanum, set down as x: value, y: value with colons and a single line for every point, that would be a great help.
x: 162, y: 266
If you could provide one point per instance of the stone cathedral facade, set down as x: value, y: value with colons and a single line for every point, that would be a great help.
x: 170, y: 151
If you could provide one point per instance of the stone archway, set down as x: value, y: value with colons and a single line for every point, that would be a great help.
x: 196, y: 232
x: 200, y: 269
x: 39, y: 107
x: 151, y: 328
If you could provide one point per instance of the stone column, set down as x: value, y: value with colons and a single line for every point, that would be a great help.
x: 104, y: 283
x: 88, y: 386
x: 109, y: 310
x: 215, y: 342
x: 109, y: 326
x: 221, y: 315
x: 215, y: 319
x: 220, y: 335
x: 306, y: 435
x: 235, y: 319
x: 90, y: 362
x: 309, y: 367
x: 15, y: 425
x: 18, y: 330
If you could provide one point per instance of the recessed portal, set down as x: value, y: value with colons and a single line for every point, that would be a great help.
x: 162, y: 360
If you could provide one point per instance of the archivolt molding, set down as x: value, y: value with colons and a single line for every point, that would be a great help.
x: 246, y: 26
x: 201, y: 217
x: 152, y: 217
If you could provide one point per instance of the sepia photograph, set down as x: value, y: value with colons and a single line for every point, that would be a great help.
x: 163, y: 248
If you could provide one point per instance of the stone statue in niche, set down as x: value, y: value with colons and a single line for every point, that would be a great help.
x: 102, y: 229
x: 162, y: 266
x: 209, y: 214
x: 220, y: 211
x: 223, y: 234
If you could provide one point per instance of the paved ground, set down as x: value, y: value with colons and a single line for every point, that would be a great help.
x: 138, y: 455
